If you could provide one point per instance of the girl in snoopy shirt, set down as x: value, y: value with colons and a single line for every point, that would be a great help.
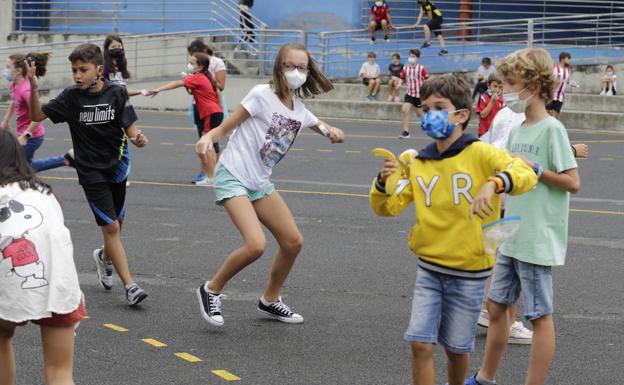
x: 267, y: 123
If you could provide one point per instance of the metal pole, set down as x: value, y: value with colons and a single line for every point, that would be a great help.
x: 116, y: 16
x: 162, y: 19
x: 530, y: 24
x: 322, y: 50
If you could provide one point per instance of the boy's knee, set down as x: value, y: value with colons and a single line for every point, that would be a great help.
x: 456, y: 357
x: 421, y: 350
x: 496, y: 311
x: 112, y: 229
x: 57, y: 375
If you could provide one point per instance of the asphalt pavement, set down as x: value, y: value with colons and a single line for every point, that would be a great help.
x: 352, y: 282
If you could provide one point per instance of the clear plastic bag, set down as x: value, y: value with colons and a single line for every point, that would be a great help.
x: 496, y: 233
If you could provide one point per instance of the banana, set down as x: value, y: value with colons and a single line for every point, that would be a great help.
x: 383, y: 153
x: 407, y: 157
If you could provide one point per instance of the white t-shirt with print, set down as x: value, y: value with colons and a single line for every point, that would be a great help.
x: 37, y: 272
x: 502, y: 124
x: 262, y: 140
x: 371, y: 71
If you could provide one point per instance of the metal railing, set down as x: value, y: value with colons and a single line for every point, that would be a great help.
x: 590, y: 38
x: 164, y: 55
x: 405, y: 12
x: 126, y: 16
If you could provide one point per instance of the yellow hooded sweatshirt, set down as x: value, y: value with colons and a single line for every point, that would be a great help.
x: 442, y: 187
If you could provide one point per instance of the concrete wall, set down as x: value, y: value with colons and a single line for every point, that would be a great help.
x: 6, y: 19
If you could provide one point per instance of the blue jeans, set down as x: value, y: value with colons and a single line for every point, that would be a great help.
x: 513, y: 278
x: 445, y: 309
x: 33, y: 145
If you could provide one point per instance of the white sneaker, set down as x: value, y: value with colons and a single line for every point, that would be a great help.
x: 603, y: 93
x: 104, y: 269
x: 206, y: 182
x: 519, y: 334
x: 484, y: 319
x: 609, y: 93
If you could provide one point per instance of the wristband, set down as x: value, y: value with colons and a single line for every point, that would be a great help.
x: 573, y: 151
x: 323, y: 130
x: 28, y: 135
x: 539, y: 170
x: 500, y: 185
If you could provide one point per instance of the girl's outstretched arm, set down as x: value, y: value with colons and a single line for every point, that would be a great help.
x: 166, y: 87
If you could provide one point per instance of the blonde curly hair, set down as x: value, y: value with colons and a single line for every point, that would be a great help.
x: 531, y: 66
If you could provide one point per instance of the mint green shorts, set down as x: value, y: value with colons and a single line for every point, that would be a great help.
x: 228, y: 186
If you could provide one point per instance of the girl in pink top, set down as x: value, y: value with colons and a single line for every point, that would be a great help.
x: 30, y: 134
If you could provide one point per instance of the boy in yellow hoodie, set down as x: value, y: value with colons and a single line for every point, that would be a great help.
x: 454, y: 184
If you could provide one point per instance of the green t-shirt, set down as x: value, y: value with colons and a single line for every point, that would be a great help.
x: 542, y: 238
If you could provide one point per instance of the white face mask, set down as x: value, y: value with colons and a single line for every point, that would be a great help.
x: 412, y: 60
x: 378, y: 3
x: 190, y: 69
x: 513, y: 101
x: 295, y: 78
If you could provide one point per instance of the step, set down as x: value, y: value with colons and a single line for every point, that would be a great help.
x: 382, y: 111
x: 574, y: 101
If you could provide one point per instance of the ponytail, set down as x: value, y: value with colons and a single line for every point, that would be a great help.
x: 40, y: 59
x: 203, y: 61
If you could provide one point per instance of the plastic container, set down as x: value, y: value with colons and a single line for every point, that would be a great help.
x: 496, y: 233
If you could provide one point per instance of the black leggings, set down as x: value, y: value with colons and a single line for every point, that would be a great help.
x: 247, y: 25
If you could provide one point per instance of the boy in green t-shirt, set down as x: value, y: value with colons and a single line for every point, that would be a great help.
x: 525, y: 261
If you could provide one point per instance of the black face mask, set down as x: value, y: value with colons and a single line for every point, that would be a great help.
x: 116, y: 52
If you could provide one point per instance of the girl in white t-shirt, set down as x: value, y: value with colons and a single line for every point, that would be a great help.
x: 266, y: 124
x: 38, y: 279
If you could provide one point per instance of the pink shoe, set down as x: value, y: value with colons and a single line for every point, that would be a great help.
x: 390, y: 98
x: 397, y: 99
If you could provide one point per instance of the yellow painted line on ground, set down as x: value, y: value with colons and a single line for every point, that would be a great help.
x: 597, y: 212
x: 296, y: 149
x: 153, y: 342
x: 606, y: 158
x: 188, y: 357
x: 167, y: 143
x: 49, y: 138
x: 226, y: 375
x: 116, y: 328
x: 326, y: 193
x: 353, y: 152
x: 67, y: 140
x: 323, y: 150
x: 599, y: 141
x: 189, y: 144
x: 86, y: 317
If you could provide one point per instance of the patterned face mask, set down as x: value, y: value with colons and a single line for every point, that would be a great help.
x: 436, y: 124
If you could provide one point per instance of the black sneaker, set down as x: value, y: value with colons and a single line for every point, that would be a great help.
x: 386, y: 38
x: 426, y: 44
x: 404, y: 135
x: 443, y: 52
x: 210, y: 306
x: 279, y: 310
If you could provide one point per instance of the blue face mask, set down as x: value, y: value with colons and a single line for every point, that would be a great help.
x: 436, y: 124
x: 8, y: 75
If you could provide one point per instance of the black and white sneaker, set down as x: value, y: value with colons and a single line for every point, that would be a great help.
x: 104, y: 269
x: 279, y: 310
x: 210, y: 305
x: 404, y: 135
x: 134, y: 294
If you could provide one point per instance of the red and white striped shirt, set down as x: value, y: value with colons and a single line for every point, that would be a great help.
x: 562, y: 75
x: 414, y: 76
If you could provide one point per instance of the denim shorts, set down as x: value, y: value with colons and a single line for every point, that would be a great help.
x: 512, y: 277
x: 228, y: 186
x: 445, y: 310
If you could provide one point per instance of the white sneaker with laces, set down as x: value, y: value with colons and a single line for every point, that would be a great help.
x: 519, y: 334
x: 206, y: 182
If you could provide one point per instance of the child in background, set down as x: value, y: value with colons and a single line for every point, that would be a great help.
x: 483, y: 74
x: 370, y: 73
x: 266, y: 124
x: 115, y: 63
x: 562, y: 73
x: 414, y: 75
x: 380, y: 19
x: 434, y: 25
x: 394, y: 84
x: 524, y: 262
x: 39, y: 280
x: 609, y: 82
x: 205, y: 91
x: 489, y: 104
x: 453, y: 179
x: 31, y: 135
x: 101, y: 120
